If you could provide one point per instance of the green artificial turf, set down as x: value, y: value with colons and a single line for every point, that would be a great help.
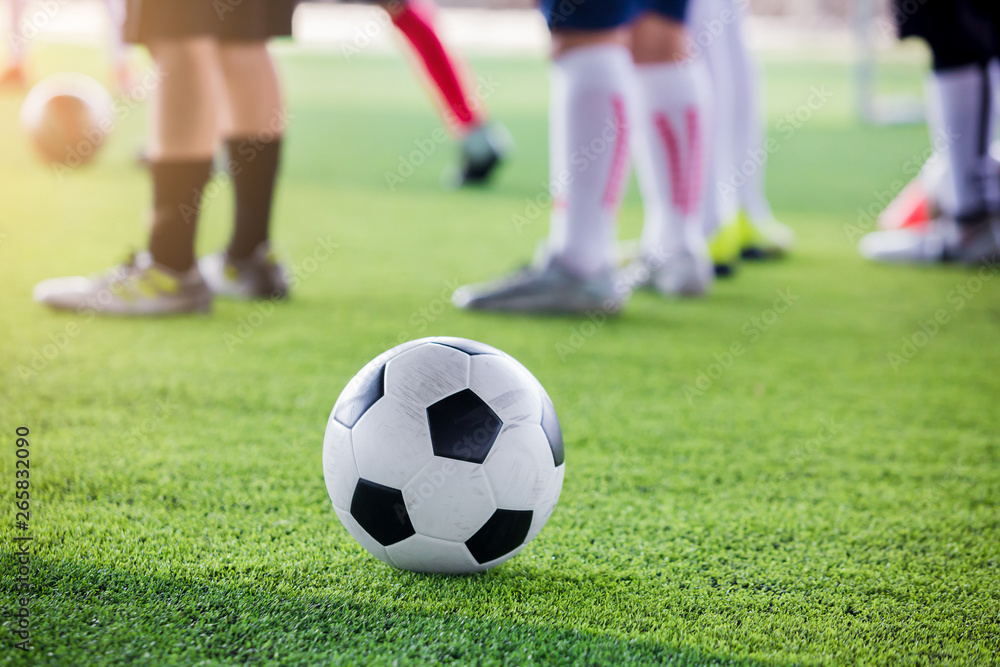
x: 810, y: 500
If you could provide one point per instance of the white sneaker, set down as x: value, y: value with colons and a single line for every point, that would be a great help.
x: 685, y: 273
x: 139, y: 287
x: 942, y: 240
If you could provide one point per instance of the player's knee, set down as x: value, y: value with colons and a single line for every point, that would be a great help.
x: 564, y: 41
x: 184, y: 55
x: 246, y: 58
x: 657, y: 39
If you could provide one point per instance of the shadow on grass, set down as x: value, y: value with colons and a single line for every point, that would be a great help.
x: 88, y: 614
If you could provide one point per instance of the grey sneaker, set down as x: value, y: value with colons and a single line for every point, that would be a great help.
x: 942, y: 240
x: 139, y: 287
x: 258, y: 276
x: 483, y: 150
x: 545, y: 289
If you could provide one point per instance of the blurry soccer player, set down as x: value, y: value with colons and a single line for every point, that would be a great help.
x: 964, y: 37
x: 738, y: 216
x: 483, y: 145
x: 208, y: 62
x: 602, y: 91
x: 14, y: 75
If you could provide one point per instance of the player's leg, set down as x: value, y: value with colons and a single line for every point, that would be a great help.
x: 591, y: 92
x: 760, y: 234
x: 483, y: 145
x: 672, y: 139
x: 961, y: 117
x: 415, y: 21
x: 247, y: 268
x: 721, y: 209
x: 13, y: 74
x: 592, y: 81
x: 991, y: 170
x: 961, y: 103
x: 182, y: 139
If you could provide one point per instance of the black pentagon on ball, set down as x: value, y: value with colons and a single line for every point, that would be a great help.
x: 504, y: 532
x: 463, y: 427
x: 381, y: 512
x: 553, y: 432
x: 470, y: 347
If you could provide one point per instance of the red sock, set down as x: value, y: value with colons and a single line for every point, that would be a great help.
x: 413, y: 20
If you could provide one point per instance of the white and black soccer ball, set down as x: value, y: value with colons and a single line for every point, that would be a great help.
x: 443, y: 455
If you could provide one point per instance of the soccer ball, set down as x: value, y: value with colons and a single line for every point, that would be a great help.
x: 443, y: 455
x: 67, y: 116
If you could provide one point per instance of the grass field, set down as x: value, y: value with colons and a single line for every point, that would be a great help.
x: 812, y: 500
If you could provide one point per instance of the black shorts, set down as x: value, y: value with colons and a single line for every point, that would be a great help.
x: 959, y: 32
x: 226, y: 20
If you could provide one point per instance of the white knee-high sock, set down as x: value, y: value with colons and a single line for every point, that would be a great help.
x: 588, y: 154
x: 992, y: 159
x: 721, y: 203
x: 750, y: 135
x: 672, y: 138
x: 961, y: 118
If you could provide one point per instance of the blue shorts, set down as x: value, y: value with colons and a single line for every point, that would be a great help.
x: 606, y: 14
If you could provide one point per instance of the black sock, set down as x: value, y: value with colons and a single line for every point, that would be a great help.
x: 254, y: 165
x: 177, y: 188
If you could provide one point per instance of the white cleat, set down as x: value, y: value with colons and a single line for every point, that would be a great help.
x: 942, y: 240
x: 258, y: 276
x: 686, y: 273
